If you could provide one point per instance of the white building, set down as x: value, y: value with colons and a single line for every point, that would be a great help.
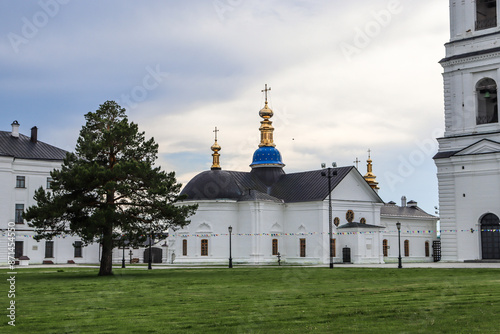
x: 25, y: 165
x: 272, y: 212
x: 468, y: 159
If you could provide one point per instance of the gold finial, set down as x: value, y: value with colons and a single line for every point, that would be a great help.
x: 216, y: 148
x: 369, y: 176
x: 266, y: 128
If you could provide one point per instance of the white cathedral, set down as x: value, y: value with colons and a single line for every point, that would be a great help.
x: 270, y: 215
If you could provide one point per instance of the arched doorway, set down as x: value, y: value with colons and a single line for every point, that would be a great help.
x: 490, y: 236
x: 156, y: 255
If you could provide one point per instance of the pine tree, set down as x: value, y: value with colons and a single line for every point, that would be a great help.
x: 109, y: 189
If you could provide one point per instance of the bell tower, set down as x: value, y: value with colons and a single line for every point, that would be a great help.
x: 468, y: 159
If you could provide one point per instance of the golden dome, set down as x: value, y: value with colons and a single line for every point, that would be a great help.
x: 215, y: 147
x: 266, y: 112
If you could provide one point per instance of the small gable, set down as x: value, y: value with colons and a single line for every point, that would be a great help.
x: 481, y: 147
x: 354, y: 187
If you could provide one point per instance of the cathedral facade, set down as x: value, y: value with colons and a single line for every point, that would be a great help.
x: 468, y: 160
x: 331, y: 215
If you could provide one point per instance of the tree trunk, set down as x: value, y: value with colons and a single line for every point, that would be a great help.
x: 107, y: 253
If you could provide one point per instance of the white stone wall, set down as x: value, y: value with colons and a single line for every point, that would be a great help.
x: 36, y: 173
x: 416, y: 240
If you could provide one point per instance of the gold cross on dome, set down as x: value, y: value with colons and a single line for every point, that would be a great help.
x: 216, y: 133
x: 266, y: 90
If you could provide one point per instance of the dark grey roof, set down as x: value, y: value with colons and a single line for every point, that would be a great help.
x: 392, y: 210
x: 442, y: 155
x: 23, y: 148
x: 355, y: 225
x: 289, y: 188
x: 254, y: 195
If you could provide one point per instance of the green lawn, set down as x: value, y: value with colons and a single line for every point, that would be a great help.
x: 255, y: 300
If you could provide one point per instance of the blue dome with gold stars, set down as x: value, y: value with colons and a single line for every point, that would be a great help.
x: 266, y: 156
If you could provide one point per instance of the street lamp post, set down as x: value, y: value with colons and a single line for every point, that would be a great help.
x: 123, y: 258
x: 398, y: 225
x: 329, y: 174
x: 150, y: 259
x: 230, y: 229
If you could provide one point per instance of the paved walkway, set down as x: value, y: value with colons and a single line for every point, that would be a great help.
x: 385, y: 265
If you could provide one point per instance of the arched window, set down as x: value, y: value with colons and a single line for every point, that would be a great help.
x: 486, y: 14
x: 385, y: 247
x: 407, y: 247
x: 184, y: 247
x: 427, y: 250
x: 204, y: 247
x: 487, y: 104
x: 490, y: 236
x: 275, y: 246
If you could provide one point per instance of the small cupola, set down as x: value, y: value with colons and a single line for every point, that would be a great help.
x: 215, y: 156
x: 369, y: 176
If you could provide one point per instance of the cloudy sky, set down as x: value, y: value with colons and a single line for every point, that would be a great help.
x: 345, y: 77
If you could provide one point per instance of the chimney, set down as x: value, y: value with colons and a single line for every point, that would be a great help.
x: 15, y: 129
x: 34, y: 134
x: 403, y: 201
x: 412, y: 204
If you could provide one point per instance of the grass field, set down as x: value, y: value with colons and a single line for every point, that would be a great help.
x: 255, y: 300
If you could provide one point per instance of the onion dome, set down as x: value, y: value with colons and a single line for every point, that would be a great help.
x: 266, y: 155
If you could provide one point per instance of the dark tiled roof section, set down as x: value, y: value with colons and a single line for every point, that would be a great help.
x: 295, y: 187
x: 254, y: 195
x: 442, y: 155
x: 212, y: 184
x: 23, y: 148
x: 246, y: 180
x: 306, y: 186
x: 355, y: 225
x: 391, y: 210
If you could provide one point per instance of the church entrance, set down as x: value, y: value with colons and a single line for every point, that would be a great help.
x: 156, y: 255
x: 490, y: 236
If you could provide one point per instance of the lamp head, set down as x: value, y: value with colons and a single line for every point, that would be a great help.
x: 230, y: 229
x: 323, y: 165
x: 398, y: 225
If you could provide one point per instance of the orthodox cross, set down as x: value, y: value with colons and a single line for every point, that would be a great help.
x: 265, y: 90
x: 369, y: 151
x: 216, y: 133
x: 356, y: 161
